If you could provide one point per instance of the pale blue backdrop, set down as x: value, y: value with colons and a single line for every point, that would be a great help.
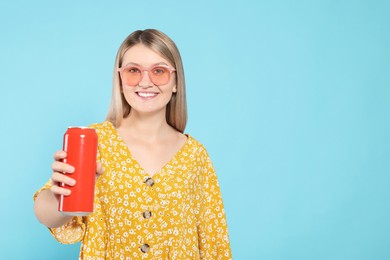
x: 291, y: 98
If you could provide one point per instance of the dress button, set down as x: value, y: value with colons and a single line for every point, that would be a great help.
x: 145, y: 248
x: 147, y: 214
x: 149, y: 181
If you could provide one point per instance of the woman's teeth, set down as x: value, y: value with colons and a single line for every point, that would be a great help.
x: 146, y: 94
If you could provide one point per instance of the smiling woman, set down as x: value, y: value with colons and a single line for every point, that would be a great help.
x: 148, y: 92
x: 167, y: 52
x: 157, y: 195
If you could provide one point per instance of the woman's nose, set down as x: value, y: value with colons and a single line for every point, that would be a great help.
x: 145, y: 79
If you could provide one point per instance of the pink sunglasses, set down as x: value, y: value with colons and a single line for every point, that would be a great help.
x: 158, y: 74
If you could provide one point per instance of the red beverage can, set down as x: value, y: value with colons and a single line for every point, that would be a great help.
x: 80, y: 144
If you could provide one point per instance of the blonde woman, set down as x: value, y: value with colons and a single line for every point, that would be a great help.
x: 156, y: 195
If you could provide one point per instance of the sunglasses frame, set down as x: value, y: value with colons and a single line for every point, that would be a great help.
x: 143, y: 69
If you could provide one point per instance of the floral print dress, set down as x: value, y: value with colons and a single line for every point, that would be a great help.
x: 176, y: 214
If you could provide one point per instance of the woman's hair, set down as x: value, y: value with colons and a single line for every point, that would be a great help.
x: 176, y: 113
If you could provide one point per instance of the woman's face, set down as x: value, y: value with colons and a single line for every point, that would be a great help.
x: 146, y: 96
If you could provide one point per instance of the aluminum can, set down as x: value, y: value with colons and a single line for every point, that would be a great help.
x: 80, y: 144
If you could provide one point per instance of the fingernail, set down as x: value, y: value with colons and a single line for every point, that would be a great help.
x: 72, y: 182
x: 70, y: 169
x: 67, y: 192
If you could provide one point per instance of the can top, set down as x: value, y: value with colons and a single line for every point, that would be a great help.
x: 79, y: 127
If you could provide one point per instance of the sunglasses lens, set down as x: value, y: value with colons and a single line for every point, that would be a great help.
x: 131, y: 76
x: 159, y: 75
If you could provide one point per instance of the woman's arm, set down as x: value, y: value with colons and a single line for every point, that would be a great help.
x: 46, y: 210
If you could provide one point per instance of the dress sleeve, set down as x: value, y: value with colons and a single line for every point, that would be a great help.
x: 69, y: 233
x: 212, y: 227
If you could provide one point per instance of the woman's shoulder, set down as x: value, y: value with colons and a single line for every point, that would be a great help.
x: 101, y: 125
x: 103, y: 128
x: 195, y: 146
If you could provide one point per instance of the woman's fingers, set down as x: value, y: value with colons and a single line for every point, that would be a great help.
x: 59, y: 155
x: 99, y: 169
x: 58, y: 166
x: 56, y: 190
x: 60, y: 174
x: 62, y: 178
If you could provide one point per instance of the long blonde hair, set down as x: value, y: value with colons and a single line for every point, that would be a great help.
x: 176, y: 112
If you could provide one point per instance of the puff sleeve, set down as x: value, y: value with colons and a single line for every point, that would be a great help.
x: 213, y: 239
x: 71, y: 232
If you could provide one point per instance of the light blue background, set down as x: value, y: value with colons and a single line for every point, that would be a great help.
x: 291, y: 98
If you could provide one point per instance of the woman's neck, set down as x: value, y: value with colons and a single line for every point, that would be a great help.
x: 150, y: 127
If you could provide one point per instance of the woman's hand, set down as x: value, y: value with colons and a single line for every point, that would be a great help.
x: 58, y: 176
x: 62, y: 174
x: 46, y: 202
x: 99, y: 169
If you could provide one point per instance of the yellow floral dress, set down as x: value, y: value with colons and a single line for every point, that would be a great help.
x: 176, y: 214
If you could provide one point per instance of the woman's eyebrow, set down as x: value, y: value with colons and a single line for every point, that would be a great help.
x: 131, y: 63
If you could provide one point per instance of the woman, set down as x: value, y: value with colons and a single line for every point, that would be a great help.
x: 157, y: 194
